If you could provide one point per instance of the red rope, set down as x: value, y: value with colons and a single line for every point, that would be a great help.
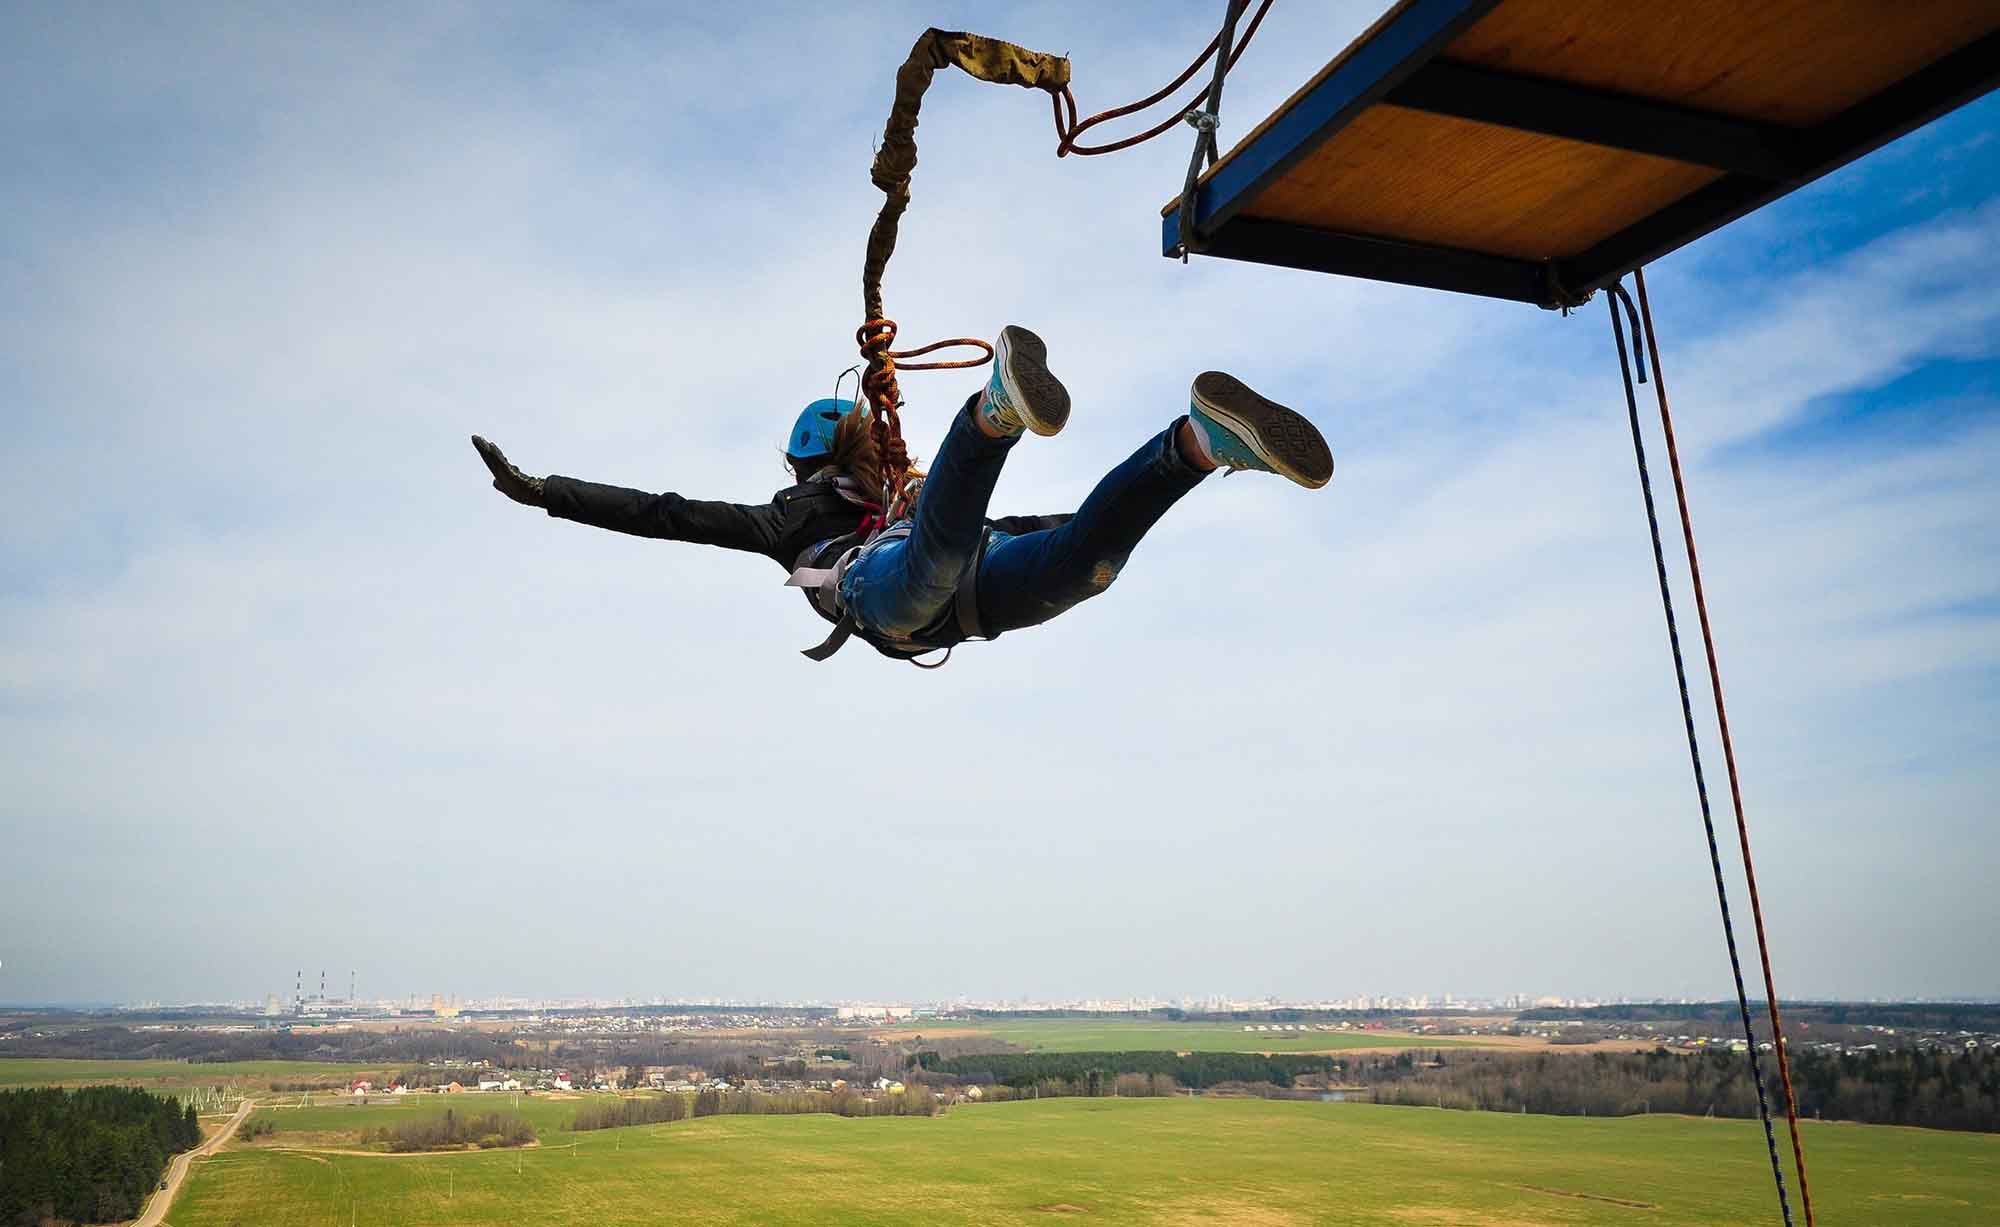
x: 1615, y: 297
x: 1728, y: 751
x: 880, y: 388
x: 1066, y: 134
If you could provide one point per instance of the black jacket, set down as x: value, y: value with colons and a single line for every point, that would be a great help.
x: 795, y: 520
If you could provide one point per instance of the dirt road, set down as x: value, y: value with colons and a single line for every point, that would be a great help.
x: 156, y: 1209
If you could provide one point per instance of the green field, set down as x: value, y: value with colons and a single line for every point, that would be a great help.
x: 1062, y: 1035
x: 548, y: 1114
x: 252, y: 1076
x: 1122, y: 1161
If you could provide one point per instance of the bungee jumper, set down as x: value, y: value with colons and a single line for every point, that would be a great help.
x: 909, y: 561
x: 945, y: 573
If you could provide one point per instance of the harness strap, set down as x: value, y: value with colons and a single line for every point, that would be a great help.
x: 822, y: 584
x: 965, y: 601
x: 822, y: 588
x: 835, y: 641
x: 965, y: 606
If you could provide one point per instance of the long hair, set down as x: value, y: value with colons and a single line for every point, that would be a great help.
x: 856, y: 452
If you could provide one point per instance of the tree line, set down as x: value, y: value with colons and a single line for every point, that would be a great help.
x: 1096, y: 1085
x: 89, y: 1155
x: 451, y: 1131
x: 661, y: 1109
x: 1933, y: 1089
x: 256, y: 1127
x: 1196, y: 1069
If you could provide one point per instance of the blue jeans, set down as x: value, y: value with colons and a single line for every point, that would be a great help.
x: 902, y: 591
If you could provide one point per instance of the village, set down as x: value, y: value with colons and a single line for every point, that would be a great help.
x: 467, y: 1080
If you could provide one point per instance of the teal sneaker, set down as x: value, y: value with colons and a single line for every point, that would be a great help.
x: 1242, y: 430
x: 1022, y: 393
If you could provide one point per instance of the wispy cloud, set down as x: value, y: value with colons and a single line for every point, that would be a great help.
x: 280, y: 680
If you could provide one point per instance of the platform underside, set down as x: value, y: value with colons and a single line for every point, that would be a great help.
x: 1539, y: 149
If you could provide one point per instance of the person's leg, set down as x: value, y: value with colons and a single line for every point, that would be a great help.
x: 903, y: 586
x: 1027, y: 580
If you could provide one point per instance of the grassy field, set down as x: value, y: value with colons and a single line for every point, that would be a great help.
x: 254, y: 1077
x: 1123, y: 1161
x: 547, y: 1113
x: 1063, y: 1035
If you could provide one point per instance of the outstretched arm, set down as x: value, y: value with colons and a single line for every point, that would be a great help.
x: 732, y: 526
x: 664, y: 516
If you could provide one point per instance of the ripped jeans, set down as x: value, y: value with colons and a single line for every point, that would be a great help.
x: 902, y: 591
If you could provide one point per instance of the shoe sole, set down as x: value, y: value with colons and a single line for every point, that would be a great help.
x: 1038, y: 396
x: 1281, y: 437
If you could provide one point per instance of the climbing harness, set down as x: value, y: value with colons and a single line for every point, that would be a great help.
x: 1616, y: 297
x: 820, y: 569
x: 822, y: 582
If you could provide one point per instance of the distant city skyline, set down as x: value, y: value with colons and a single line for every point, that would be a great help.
x: 274, y: 1005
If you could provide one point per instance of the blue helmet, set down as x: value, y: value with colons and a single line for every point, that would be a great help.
x: 812, y: 434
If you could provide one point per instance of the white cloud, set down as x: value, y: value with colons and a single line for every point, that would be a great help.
x: 271, y: 645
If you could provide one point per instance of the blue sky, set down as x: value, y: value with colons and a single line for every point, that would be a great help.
x: 283, y: 684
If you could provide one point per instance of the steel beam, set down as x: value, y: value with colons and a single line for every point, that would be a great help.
x: 1352, y: 255
x: 1949, y: 83
x: 1598, y: 117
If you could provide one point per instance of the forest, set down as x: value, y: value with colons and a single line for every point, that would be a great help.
x: 1198, y: 1070
x: 89, y: 1155
x: 915, y: 1100
x: 1931, y: 1088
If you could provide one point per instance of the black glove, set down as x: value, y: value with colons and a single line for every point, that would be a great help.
x: 507, y: 479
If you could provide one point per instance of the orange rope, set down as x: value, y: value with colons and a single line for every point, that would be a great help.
x: 1615, y: 296
x: 985, y: 356
x: 1728, y: 752
x: 1066, y: 134
x: 879, y: 387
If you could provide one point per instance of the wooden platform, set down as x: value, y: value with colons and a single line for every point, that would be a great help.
x: 1537, y: 150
